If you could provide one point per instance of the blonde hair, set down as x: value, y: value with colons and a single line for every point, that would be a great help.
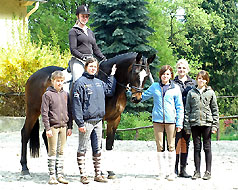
x: 183, y: 61
x: 57, y: 74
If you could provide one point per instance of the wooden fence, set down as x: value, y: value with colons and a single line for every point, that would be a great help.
x: 137, y: 129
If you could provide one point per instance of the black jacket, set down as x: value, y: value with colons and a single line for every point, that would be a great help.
x: 81, y: 44
x: 185, y: 87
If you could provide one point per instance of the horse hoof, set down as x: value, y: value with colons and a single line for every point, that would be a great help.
x: 25, y: 172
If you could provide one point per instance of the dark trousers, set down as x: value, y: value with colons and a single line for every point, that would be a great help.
x: 204, y: 132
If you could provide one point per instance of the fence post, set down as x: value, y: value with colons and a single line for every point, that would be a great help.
x: 137, y: 134
x: 218, y: 134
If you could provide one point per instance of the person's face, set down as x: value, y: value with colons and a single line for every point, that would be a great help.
x: 58, y: 83
x: 83, y: 18
x: 166, y: 76
x: 92, y: 68
x: 182, y: 70
x: 201, y: 82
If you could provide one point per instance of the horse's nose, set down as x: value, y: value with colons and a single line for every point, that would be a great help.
x: 136, y: 100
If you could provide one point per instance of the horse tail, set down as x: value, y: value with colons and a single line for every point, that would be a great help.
x: 34, y: 140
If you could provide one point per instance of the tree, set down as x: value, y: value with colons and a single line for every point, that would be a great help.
x: 121, y: 26
x: 52, y: 21
x: 215, y: 41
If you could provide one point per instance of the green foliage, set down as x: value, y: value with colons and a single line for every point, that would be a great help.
x: 120, y: 26
x: 213, y: 35
x: 228, y: 130
x: 129, y: 120
x: 17, y: 64
x: 52, y: 21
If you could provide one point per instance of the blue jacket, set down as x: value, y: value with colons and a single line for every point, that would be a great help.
x: 89, y: 98
x: 167, y: 109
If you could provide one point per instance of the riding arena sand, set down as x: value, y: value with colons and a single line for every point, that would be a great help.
x: 134, y: 163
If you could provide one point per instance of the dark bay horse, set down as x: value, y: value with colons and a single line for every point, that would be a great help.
x: 132, y: 72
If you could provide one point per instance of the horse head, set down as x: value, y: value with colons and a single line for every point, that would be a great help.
x: 139, y: 73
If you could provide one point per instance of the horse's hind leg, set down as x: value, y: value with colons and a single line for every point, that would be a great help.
x: 25, y: 136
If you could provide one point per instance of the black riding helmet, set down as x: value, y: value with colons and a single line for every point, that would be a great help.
x: 83, y: 9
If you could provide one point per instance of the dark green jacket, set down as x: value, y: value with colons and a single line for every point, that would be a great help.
x: 201, y: 109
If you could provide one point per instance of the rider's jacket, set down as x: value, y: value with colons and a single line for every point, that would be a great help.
x: 82, y: 44
x: 168, y: 105
x: 55, y: 109
x: 89, y: 98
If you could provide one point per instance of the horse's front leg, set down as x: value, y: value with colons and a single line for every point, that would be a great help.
x: 111, y: 130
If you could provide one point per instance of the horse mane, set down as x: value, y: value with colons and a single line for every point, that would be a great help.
x: 118, y: 59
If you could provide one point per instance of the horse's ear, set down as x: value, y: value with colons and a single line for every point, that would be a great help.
x: 151, y: 59
x: 138, y: 57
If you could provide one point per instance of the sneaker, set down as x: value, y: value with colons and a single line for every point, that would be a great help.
x: 100, y: 178
x: 207, y: 175
x: 111, y: 175
x: 61, y: 179
x: 196, y: 175
x: 52, y: 180
x: 84, y: 180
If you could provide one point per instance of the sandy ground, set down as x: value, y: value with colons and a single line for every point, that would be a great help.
x: 134, y: 162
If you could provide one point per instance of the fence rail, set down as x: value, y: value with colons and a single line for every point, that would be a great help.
x: 23, y: 94
x: 137, y: 128
x: 12, y: 94
x: 151, y: 126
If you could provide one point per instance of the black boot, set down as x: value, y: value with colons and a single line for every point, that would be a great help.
x: 176, y: 164
x: 183, y: 172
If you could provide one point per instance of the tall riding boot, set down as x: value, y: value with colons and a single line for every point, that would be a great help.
x: 51, y: 168
x: 60, y: 169
x: 183, y: 164
x: 97, y: 164
x: 176, y: 164
x: 171, y: 160
x: 81, y: 165
x: 161, y: 165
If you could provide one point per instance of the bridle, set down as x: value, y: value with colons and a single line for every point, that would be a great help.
x: 128, y: 86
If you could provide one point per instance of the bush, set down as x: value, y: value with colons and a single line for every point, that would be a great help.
x: 17, y: 64
x: 129, y: 120
x: 229, y: 129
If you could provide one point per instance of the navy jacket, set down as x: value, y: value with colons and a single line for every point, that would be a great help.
x: 185, y: 87
x: 89, y: 98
